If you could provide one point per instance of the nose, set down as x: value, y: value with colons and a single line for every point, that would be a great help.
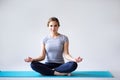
x: 53, y: 27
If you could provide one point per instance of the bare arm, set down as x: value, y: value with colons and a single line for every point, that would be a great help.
x: 68, y: 56
x: 40, y: 58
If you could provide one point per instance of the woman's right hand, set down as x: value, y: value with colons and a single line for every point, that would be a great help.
x: 29, y: 59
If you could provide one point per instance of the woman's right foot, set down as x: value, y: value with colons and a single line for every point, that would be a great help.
x: 61, y: 74
x: 69, y: 74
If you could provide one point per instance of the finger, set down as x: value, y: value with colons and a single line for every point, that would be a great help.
x: 79, y: 57
x: 25, y: 60
x: 29, y: 58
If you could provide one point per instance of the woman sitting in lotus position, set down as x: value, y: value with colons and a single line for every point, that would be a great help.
x: 54, y: 46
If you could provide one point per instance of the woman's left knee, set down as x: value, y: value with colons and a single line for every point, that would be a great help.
x: 73, y: 64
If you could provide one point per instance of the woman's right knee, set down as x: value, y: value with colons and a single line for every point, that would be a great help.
x: 33, y: 64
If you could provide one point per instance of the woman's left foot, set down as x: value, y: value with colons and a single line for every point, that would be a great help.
x: 69, y: 74
x: 61, y: 74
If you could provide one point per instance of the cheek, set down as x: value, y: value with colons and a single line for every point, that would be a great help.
x: 56, y: 28
x: 49, y: 27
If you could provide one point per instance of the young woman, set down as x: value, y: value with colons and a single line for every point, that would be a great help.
x: 54, y: 48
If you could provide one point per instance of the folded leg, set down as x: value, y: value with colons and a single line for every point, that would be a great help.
x: 67, y: 67
x: 41, y: 68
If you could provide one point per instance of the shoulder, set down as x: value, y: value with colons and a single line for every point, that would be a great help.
x: 64, y: 37
x: 45, y: 38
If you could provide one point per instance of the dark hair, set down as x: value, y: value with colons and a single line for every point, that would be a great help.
x: 53, y: 19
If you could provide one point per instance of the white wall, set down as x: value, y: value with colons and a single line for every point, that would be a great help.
x: 93, y: 28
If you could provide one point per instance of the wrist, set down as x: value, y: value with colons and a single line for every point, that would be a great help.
x: 33, y: 59
x: 73, y: 60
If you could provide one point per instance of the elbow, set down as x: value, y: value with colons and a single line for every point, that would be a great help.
x: 43, y: 58
x: 66, y: 56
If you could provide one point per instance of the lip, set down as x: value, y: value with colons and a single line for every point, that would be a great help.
x: 53, y: 30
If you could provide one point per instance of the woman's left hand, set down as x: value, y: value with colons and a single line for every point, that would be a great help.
x: 78, y: 59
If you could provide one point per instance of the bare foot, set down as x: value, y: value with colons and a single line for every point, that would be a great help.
x: 69, y: 74
x: 61, y: 74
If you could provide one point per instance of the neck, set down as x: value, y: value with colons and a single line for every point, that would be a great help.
x: 54, y: 34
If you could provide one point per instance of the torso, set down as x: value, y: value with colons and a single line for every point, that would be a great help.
x: 54, y: 48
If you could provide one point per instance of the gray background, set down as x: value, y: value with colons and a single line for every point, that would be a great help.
x: 93, y: 28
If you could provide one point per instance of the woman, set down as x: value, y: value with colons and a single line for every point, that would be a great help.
x: 54, y: 46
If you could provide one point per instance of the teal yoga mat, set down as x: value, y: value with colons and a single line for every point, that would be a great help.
x: 75, y: 74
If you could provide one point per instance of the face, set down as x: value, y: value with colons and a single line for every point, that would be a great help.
x: 53, y: 26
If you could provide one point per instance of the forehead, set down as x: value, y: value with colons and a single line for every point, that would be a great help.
x: 53, y: 23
